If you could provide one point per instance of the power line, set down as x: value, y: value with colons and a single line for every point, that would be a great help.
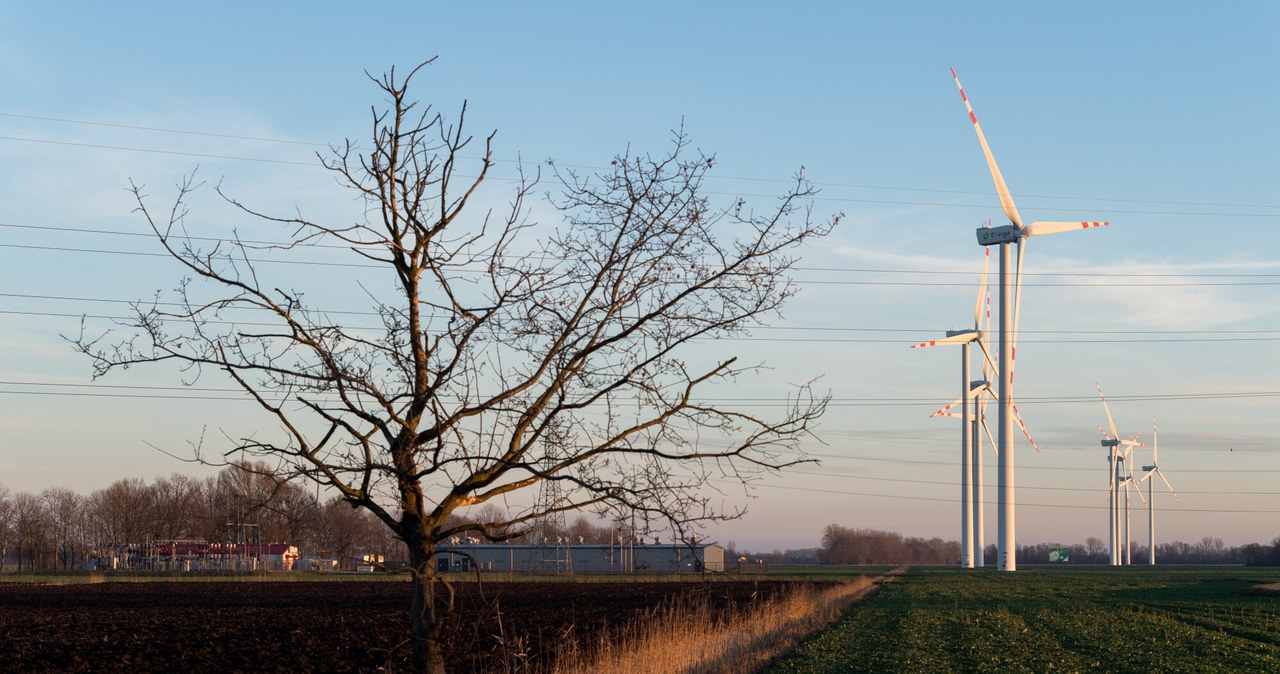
x: 843, y: 270
x: 1215, y: 335
x: 747, y: 401
x: 1030, y: 467
x: 939, y: 499
x: 929, y: 284
x: 175, y: 153
x: 784, y: 340
x: 815, y: 197
x: 1087, y: 490
x: 165, y: 392
x: 603, y: 168
x: 737, y: 400
x: 154, y: 129
x: 97, y: 251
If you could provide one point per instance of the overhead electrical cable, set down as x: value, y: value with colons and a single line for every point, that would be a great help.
x: 929, y: 284
x: 841, y: 270
x: 716, y: 400
x: 587, y: 167
x: 943, y: 499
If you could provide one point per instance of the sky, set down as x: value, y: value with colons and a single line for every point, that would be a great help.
x: 1156, y: 117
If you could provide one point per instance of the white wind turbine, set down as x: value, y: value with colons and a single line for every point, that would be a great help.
x: 974, y: 396
x: 1010, y: 293
x: 1120, y: 471
x: 1153, y: 469
x: 970, y: 446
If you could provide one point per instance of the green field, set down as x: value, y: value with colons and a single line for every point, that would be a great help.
x: 1056, y: 620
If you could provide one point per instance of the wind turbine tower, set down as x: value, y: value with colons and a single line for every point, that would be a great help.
x: 1010, y: 296
x: 970, y: 446
x: 1112, y: 534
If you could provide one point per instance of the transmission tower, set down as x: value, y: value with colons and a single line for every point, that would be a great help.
x: 551, y: 552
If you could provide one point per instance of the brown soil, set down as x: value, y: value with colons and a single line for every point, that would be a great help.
x: 354, y: 626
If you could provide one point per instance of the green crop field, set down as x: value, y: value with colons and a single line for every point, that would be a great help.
x: 1056, y: 620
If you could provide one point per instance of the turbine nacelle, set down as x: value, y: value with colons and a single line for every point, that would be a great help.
x: 991, y: 236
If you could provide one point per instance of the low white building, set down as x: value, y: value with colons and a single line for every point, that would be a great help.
x: 582, y: 558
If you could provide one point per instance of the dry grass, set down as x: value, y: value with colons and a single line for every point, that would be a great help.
x: 691, y: 638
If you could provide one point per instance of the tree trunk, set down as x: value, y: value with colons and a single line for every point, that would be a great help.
x: 428, y: 656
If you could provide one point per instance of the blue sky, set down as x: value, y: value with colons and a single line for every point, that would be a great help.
x: 1158, y: 117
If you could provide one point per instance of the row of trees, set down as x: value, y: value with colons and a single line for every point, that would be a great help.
x: 60, y: 529
x: 842, y: 545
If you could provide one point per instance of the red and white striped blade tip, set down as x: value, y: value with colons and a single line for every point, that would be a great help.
x: 1043, y: 228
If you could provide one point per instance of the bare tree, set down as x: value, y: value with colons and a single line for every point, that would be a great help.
x: 122, y: 514
x: 252, y: 493
x: 1096, y: 548
x: 345, y: 532
x: 67, y: 517
x: 6, y: 524
x: 177, y: 501
x: 583, y: 531
x: 32, y: 531
x: 508, y: 354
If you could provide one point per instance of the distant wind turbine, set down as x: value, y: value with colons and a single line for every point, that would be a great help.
x: 1153, y: 469
x: 1121, y: 475
x: 1002, y: 236
x: 1130, y: 486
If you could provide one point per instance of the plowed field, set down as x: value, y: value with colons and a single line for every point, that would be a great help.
x: 354, y: 626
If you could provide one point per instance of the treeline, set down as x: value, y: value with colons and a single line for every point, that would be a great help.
x: 1208, y: 550
x: 842, y: 545
x: 59, y: 529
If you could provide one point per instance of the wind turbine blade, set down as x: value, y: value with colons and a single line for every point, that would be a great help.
x: 954, y: 339
x: 1166, y: 483
x: 1155, y: 445
x: 1017, y: 417
x: 946, y: 410
x: 988, y: 365
x: 1042, y: 228
x: 1017, y: 306
x: 1006, y: 199
x: 1110, y: 421
x: 987, y: 429
x: 982, y: 289
x: 1137, y: 491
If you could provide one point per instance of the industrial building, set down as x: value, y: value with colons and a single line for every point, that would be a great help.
x: 188, y: 555
x: 583, y: 558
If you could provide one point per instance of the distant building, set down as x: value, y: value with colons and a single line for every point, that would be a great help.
x: 582, y: 558
x: 187, y: 555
